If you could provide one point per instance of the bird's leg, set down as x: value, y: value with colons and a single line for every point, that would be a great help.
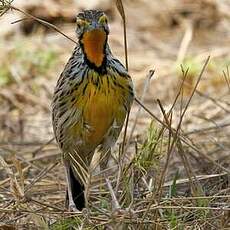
x: 71, y: 204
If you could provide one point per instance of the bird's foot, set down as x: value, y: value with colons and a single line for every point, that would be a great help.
x: 72, y: 208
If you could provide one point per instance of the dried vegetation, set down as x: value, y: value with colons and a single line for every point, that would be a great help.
x: 174, y: 173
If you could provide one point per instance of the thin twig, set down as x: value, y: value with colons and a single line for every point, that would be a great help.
x: 121, y: 10
x: 34, y: 153
x: 185, y: 41
x: 115, y: 203
x: 43, y: 22
x: 145, y: 89
x: 40, y: 176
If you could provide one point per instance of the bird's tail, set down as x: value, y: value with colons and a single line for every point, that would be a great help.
x: 77, y: 191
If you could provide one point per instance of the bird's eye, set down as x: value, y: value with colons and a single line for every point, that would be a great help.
x: 103, y: 19
x: 81, y: 23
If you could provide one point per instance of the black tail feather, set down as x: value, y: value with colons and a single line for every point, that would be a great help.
x: 77, y: 191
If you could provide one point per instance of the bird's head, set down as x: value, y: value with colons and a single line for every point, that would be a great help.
x: 92, y: 31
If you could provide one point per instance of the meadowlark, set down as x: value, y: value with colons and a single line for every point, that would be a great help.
x: 91, y: 100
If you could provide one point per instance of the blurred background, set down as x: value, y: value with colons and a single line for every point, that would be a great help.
x: 162, y: 36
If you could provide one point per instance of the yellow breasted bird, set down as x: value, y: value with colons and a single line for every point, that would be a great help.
x: 91, y: 100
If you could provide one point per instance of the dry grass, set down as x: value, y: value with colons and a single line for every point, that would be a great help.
x: 174, y: 172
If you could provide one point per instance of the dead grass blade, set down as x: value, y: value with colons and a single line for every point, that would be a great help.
x: 121, y: 10
x: 40, y: 176
x: 226, y: 75
x: 15, y: 188
x: 115, y: 203
x: 188, y: 35
x: 145, y: 89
